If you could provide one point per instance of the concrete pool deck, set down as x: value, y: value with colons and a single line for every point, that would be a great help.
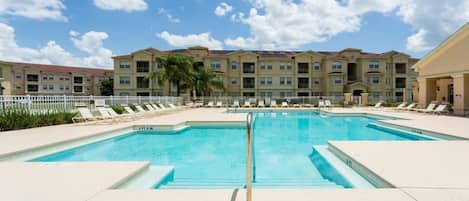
x: 423, y: 171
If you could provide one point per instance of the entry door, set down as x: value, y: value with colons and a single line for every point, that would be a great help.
x: 451, y: 93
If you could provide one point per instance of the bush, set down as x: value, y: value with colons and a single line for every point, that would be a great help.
x: 132, y: 106
x: 21, y: 119
x: 118, y: 108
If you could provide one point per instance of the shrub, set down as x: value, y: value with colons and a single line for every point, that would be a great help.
x: 132, y: 106
x: 20, y: 119
x: 118, y: 108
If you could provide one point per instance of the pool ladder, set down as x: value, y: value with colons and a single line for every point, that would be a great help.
x: 250, y: 158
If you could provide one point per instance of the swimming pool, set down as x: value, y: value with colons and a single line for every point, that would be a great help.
x: 214, y: 157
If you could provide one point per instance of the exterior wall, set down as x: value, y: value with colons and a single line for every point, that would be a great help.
x: 233, y: 77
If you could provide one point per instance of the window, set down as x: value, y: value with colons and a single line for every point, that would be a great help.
x: 88, y: 79
x: 234, y: 81
x: 51, y: 77
x: 45, y: 87
x: 61, y: 78
x: 266, y: 65
x: 124, y: 64
x: 265, y: 94
x: 282, y: 66
x: 67, y: 88
x: 262, y: 80
x: 143, y: 66
x: 33, y: 88
x: 269, y: 80
x: 373, y: 65
x: 337, y: 80
x: 234, y: 94
x: 289, y: 66
x: 78, y: 89
x: 216, y: 65
x: 303, y: 67
x: 401, y: 68
x: 66, y: 78
x: 289, y: 81
x: 303, y: 94
x: 249, y: 83
x: 19, y: 86
x: 142, y: 83
x: 124, y: 80
x: 18, y: 75
x: 316, y: 81
x: 51, y: 87
x: 303, y: 83
x: 400, y: 83
x: 78, y: 80
x: 234, y: 65
x: 336, y: 66
x: 124, y: 94
x: 375, y: 95
x: 44, y: 77
x: 316, y: 66
x: 32, y: 78
x: 282, y: 80
x: 61, y: 87
x: 315, y: 93
x: 248, y: 68
x: 388, y: 67
x: 373, y: 80
x: 143, y: 93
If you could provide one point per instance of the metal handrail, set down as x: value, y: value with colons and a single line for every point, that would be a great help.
x: 249, y: 157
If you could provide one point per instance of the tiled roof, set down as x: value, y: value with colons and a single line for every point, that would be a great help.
x: 57, y: 68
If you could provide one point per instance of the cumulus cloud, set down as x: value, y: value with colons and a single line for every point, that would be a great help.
x: 34, y: 9
x: 52, y: 53
x: 123, y: 5
x: 168, y: 15
x: 203, y: 39
x: 279, y: 24
x: 223, y: 9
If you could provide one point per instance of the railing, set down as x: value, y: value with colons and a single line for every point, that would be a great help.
x: 69, y: 103
x: 229, y: 100
x: 249, y: 157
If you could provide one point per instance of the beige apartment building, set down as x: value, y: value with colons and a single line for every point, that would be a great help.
x: 40, y: 79
x: 444, y: 73
x: 280, y: 73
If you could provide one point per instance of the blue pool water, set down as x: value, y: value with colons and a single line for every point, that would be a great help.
x: 214, y: 157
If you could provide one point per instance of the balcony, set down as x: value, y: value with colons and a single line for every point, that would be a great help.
x: 32, y: 78
x: 249, y: 68
x: 400, y: 83
x: 142, y: 83
x: 401, y: 68
x: 249, y: 83
x: 303, y: 68
x: 143, y: 66
x: 303, y: 83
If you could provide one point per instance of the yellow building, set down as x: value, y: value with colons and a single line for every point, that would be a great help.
x: 444, y: 73
x: 280, y: 73
x: 39, y: 79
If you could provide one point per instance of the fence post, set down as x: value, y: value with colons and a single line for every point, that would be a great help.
x: 112, y: 100
x: 139, y: 100
x: 28, y: 101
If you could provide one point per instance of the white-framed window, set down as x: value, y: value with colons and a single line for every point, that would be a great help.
x: 282, y: 80
x: 282, y: 66
x: 66, y: 78
x: 45, y: 87
x: 336, y: 66
x: 67, y: 88
x: 373, y: 65
x: 51, y: 77
x: 289, y: 81
x: 234, y: 65
x: 316, y: 66
x: 234, y: 81
x: 124, y: 80
x: 216, y: 65
x: 51, y: 87
x: 124, y: 64
x: 373, y: 80
x: 289, y: 66
x: 18, y: 75
x: 266, y: 65
x: 45, y: 77
x: 269, y: 80
x: 18, y: 86
x: 316, y: 81
x: 124, y: 94
x: 315, y: 93
x: 337, y: 80
x: 262, y: 80
x: 289, y: 94
x: 61, y: 87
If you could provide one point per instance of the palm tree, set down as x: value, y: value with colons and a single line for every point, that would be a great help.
x: 205, y: 81
x: 176, y: 71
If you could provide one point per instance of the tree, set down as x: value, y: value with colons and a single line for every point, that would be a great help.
x: 107, y: 87
x: 176, y: 71
x: 205, y: 81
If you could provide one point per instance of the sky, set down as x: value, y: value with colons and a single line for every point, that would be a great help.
x: 90, y: 32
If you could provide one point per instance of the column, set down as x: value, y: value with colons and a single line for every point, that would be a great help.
x: 347, y: 97
x: 364, y: 99
x: 427, y: 91
x: 461, y: 93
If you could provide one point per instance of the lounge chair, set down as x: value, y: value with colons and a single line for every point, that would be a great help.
x: 328, y: 104
x: 247, y: 104
x: 410, y: 107
x: 429, y: 108
x: 219, y: 104
x: 129, y: 110
x: 210, y: 104
x: 284, y: 104
x: 443, y: 108
x: 162, y: 106
x: 119, y: 116
x: 379, y: 104
x: 400, y: 106
x: 172, y: 106
x: 321, y: 104
x: 85, y: 115
x: 273, y: 103
x: 104, y: 113
x: 155, y: 106
x: 149, y: 107
x: 260, y: 103
x: 140, y: 108
x: 235, y: 104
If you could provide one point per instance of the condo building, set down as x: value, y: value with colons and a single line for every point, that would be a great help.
x: 40, y: 79
x: 279, y: 73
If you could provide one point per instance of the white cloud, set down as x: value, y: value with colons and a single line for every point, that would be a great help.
x: 170, y: 17
x: 52, y: 53
x: 74, y: 33
x: 223, y: 9
x: 279, y: 24
x: 124, y: 5
x: 34, y: 9
x: 203, y: 39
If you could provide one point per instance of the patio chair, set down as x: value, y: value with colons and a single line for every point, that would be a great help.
x: 379, y: 104
x: 149, y: 107
x: 321, y: 104
x: 85, y: 115
x: 172, y: 106
x: 140, y: 108
x: 400, y: 106
x: 273, y: 103
x: 119, y: 116
x: 328, y: 104
x: 210, y: 104
x: 247, y: 104
x: 219, y: 104
x: 235, y: 104
x: 443, y: 108
x: 410, y: 107
x: 260, y: 103
x: 162, y: 106
x: 104, y: 113
x: 284, y: 104
x: 129, y: 110
x: 429, y: 108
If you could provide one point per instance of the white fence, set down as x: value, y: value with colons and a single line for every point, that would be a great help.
x: 69, y: 103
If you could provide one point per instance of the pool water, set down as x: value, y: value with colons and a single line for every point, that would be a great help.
x: 214, y: 157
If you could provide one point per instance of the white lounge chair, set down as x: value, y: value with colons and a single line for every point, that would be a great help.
x: 219, y: 104
x: 210, y: 104
x: 162, y: 106
x: 155, y: 106
x: 247, y: 104
x: 400, y: 106
x: 140, y: 108
x: 149, y: 107
x: 327, y: 103
x: 104, y: 113
x: 321, y: 104
x: 410, y: 107
x: 260, y: 103
x: 172, y: 106
x: 273, y: 103
x: 129, y: 110
x: 379, y: 104
x: 85, y: 115
x: 284, y: 104
x: 443, y: 108
x: 429, y: 108
x: 119, y: 116
x: 235, y: 104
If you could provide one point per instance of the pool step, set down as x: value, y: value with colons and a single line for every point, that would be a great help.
x: 187, y: 183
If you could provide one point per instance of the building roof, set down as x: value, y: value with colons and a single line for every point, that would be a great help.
x: 58, y: 68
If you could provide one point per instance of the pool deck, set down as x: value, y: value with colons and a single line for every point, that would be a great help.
x: 422, y: 171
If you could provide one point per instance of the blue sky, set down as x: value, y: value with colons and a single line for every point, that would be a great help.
x: 89, y: 32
